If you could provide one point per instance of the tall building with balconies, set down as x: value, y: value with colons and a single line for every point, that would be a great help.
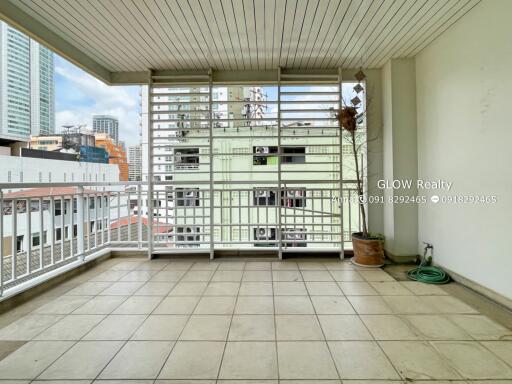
x: 135, y: 163
x: 27, y: 90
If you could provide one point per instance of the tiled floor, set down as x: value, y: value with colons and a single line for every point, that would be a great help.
x: 232, y: 321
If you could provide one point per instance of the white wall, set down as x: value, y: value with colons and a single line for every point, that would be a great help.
x: 464, y: 88
x: 15, y: 169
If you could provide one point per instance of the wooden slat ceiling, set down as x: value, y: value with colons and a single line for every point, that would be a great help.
x: 135, y: 35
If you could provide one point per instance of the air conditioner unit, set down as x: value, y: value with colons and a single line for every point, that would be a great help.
x: 262, y: 234
x: 290, y: 193
x: 177, y: 157
x: 262, y: 193
x: 262, y: 150
x: 190, y: 194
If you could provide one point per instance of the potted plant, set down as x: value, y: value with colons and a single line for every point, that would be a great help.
x: 368, y: 247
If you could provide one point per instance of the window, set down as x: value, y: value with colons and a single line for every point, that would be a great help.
x: 264, y: 196
x: 187, y: 197
x: 263, y: 237
x: 92, y: 202
x: 58, y: 208
x: 297, y: 155
x: 19, y: 243
x: 36, y: 241
x: 293, y: 198
x: 58, y: 234
x: 186, y: 158
x: 66, y: 232
x: 264, y: 155
x: 294, y: 237
x: 75, y: 230
x: 187, y: 236
x: 91, y: 226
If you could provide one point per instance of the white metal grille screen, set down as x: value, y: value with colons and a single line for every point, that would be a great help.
x: 249, y: 167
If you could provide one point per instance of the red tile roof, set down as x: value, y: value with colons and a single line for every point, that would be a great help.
x: 46, y: 192
x: 158, y: 227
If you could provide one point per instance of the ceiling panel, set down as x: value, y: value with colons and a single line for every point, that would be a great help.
x: 137, y: 35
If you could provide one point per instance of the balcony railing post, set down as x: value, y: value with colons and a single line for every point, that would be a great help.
x: 79, y: 222
x: 139, y: 217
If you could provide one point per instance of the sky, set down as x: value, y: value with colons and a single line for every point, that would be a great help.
x: 79, y: 95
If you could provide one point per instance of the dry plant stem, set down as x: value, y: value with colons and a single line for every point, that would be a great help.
x: 360, y: 200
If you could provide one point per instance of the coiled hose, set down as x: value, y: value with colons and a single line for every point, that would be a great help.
x: 427, y: 273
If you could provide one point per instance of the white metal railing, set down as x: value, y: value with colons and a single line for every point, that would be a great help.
x: 47, y: 226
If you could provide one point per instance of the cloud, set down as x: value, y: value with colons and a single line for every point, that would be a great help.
x: 79, y: 96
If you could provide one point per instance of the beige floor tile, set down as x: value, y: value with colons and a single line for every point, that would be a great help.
x: 231, y: 266
x: 339, y: 265
x: 357, y: 288
x: 122, y: 288
x: 189, y: 288
x: 389, y: 327
x: 62, y: 382
x: 126, y: 265
x: 298, y: 327
x: 138, y: 276
x: 84, y: 360
x: 249, y: 360
x: 109, y: 276
x: 316, y: 275
x: 222, y: 288
x: 177, y: 305
x: 251, y: 288
x: 207, y: 327
x: 305, y: 360
x: 257, y: 276
x: 31, y: 359
x: 153, y: 265
x: 178, y: 265
x: 227, y: 276
x: 502, y: 349
x: 293, y: 305
x: 254, y: 305
x: 481, y: 327
x: 204, y: 266
x: 436, y: 327
x: 28, y: 327
x: 376, y: 275
x: 284, y: 275
x: 252, y: 328
x: 311, y: 266
x: 408, y: 305
x: 369, y: 305
x: 417, y: 360
x: 71, y: 327
x: 344, y: 327
x: 215, y: 305
x: 168, y: 276
x: 361, y: 360
x: 423, y: 289
x: 197, y: 275
x: 63, y: 305
x: 332, y: 305
x: 284, y: 265
x: 447, y: 304
x: 392, y: 382
x: 473, y: 361
x: 89, y: 288
x: 193, y: 360
x: 138, y: 360
x: 100, y: 305
x: 116, y: 327
x: 258, y: 266
x: 138, y: 305
x: 316, y: 288
x: 161, y: 327
x: 155, y: 289
x: 390, y: 288
x: 343, y: 275
x: 289, y: 288
x: 246, y: 382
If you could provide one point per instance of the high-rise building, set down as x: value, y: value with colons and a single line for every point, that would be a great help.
x: 27, y: 91
x: 135, y: 163
x: 116, y: 154
x: 106, y: 124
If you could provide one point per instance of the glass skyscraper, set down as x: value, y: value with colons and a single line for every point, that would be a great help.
x: 27, y: 91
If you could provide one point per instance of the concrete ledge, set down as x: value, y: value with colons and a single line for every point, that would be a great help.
x: 402, y: 259
x: 480, y: 289
x: 28, y: 290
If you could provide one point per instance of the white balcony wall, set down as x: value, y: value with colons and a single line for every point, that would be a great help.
x: 464, y: 135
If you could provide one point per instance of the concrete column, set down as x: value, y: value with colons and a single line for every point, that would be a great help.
x: 400, y: 157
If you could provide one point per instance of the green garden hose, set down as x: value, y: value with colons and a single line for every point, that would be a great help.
x: 427, y: 273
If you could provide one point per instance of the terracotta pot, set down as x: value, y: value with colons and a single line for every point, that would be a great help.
x: 368, y: 252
